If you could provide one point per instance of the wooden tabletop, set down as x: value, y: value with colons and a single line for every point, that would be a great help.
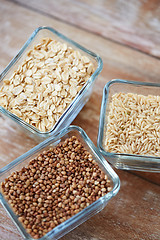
x: 126, y: 34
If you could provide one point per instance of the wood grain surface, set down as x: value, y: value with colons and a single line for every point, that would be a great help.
x: 134, y: 23
x: 135, y: 212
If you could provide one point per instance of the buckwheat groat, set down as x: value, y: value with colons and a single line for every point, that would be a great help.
x: 45, y: 83
x: 54, y: 186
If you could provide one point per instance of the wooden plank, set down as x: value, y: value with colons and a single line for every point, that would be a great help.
x: 13, y: 142
x: 134, y: 212
x: 133, y: 23
x: 152, y: 177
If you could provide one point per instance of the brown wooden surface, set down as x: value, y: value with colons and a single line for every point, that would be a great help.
x: 134, y: 23
x: 135, y: 212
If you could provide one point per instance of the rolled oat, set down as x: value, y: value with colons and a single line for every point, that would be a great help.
x: 46, y: 82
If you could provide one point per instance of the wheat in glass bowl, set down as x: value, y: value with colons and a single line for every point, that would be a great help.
x: 135, y: 128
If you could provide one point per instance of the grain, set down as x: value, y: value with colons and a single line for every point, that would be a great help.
x: 133, y: 125
x: 56, y: 190
x: 45, y: 84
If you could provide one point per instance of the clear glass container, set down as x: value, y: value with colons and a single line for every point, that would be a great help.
x: 126, y: 161
x: 82, y: 216
x: 81, y: 98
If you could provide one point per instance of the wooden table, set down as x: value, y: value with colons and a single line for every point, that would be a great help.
x: 126, y: 34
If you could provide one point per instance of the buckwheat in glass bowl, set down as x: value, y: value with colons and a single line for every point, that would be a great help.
x: 47, y: 84
x: 129, y: 126
x: 34, y: 203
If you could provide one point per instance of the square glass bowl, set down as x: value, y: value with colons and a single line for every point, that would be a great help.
x: 81, y: 98
x: 126, y: 161
x: 86, y: 213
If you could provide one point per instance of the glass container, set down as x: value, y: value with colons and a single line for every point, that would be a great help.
x: 126, y: 161
x: 81, y: 98
x: 83, y: 215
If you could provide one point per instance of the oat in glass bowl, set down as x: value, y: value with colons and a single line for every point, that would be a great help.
x: 46, y: 85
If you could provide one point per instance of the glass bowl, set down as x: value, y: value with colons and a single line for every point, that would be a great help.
x: 81, y: 98
x: 126, y: 161
x: 86, y: 213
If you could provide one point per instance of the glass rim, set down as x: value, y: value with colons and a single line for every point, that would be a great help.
x: 147, y: 158
x: 74, y: 101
